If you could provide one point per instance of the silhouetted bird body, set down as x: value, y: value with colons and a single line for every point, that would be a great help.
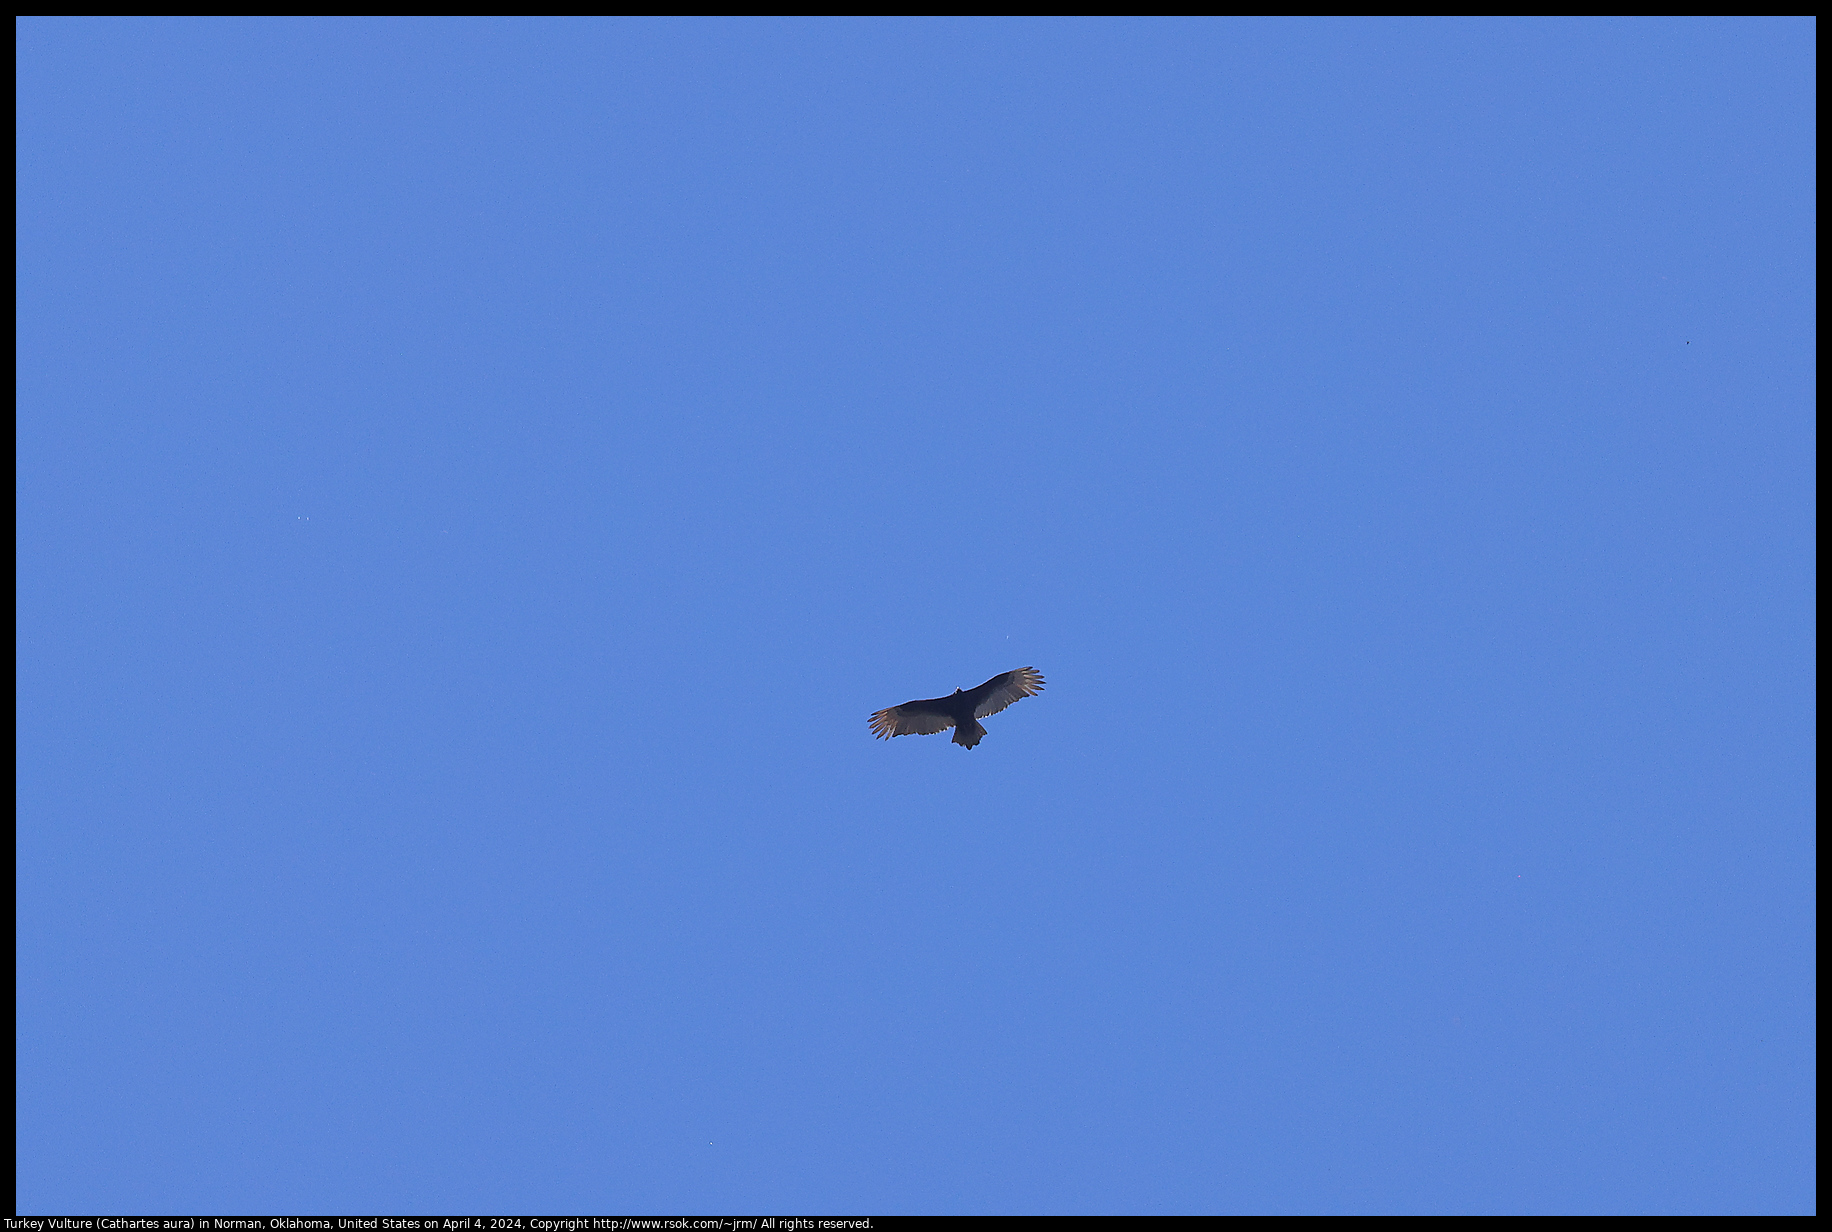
x: 962, y: 710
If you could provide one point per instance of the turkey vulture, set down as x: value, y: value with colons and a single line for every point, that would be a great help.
x: 962, y: 711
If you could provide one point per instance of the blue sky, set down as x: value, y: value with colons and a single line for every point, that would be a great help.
x: 476, y: 478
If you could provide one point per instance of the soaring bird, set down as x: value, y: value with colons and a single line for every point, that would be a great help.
x: 962, y: 710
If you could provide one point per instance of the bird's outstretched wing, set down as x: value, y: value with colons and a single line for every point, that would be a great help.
x: 1004, y: 689
x: 922, y: 718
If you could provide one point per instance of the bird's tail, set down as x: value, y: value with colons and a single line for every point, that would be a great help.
x: 968, y: 734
